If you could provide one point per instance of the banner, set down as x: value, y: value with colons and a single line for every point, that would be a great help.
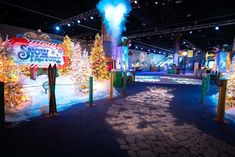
x: 38, y: 53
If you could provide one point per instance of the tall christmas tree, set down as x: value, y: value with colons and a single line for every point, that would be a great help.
x: 85, y: 70
x: 10, y: 74
x: 231, y: 85
x: 80, y: 69
x: 68, y: 45
x: 97, y: 60
x: 75, y: 66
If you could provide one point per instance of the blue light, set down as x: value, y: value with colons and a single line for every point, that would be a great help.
x: 78, y: 21
x: 136, y: 47
x: 217, y: 28
x: 114, y: 13
x: 57, y: 28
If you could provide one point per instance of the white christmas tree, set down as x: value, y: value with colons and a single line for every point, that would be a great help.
x: 85, y: 71
x: 80, y: 69
x: 75, y: 65
x: 230, y: 100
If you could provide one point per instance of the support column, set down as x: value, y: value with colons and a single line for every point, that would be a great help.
x: 107, y: 41
x: 177, y: 48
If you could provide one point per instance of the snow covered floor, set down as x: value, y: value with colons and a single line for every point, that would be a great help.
x: 65, y: 97
x: 167, y: 80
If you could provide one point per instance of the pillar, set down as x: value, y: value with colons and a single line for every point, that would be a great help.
x: 177, y: 48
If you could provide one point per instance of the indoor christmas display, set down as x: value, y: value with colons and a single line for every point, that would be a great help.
x: 10, y: 74
x: 231, y: 85
x: 68, y: 48
x: 98, y: 61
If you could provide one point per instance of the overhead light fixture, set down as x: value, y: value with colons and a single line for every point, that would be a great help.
x: 156, y: 2
x: 92, y: 17
x: 217, y: 28
x: 191, y: 32
x: 135, y: 2
x: 57, y: 28
x: 78, y: 21
x: 178, y: 1
x: 69, y: 24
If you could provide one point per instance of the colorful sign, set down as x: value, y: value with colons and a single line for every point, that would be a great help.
x: 190, y: 53
x: 38, y: 53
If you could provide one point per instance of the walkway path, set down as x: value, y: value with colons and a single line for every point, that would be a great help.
x: 154, y: 120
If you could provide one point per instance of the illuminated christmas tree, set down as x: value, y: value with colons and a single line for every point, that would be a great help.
x: 228, y: 61
x: 10, y: 74
x: 85, y: 70
x: 231, y: 85
x: 68, y: 46
x: 97, y: 60
x: 75, y: 66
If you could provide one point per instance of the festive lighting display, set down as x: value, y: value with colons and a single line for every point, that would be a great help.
x: 231, y: 85
x: 97, y: 60
x: 68, y: 50
x: 80, y: 69
x: 10, y: 74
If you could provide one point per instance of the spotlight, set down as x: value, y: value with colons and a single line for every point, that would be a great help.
x: 69, y: 24
x: 57, y: 28
x: 135, y: 2
x: 92, y: 17
x: 217, y: 28
x: 78, y: 21
x: 191, y: 32
x: 136, y: 47
x: 156, y: 2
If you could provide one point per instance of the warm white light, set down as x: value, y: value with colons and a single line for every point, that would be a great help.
x: 185, y: 53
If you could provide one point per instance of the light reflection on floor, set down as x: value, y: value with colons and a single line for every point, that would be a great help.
x: 168, y: 80
x: 148, y: 128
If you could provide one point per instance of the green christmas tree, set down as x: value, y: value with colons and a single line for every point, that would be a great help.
x: 97, y: 60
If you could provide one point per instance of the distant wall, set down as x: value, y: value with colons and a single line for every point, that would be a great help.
x: 144, y: 60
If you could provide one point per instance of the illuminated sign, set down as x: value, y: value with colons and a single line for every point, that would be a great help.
x: 39, y: 54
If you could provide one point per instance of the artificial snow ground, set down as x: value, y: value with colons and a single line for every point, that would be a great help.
x: 65, y: 97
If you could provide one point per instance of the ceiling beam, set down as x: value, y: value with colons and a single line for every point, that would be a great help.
x: 182, y: 29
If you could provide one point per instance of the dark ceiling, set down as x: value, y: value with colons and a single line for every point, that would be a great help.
x: 146, y: 16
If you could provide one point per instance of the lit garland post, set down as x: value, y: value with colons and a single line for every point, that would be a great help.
x: 97, y: 60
